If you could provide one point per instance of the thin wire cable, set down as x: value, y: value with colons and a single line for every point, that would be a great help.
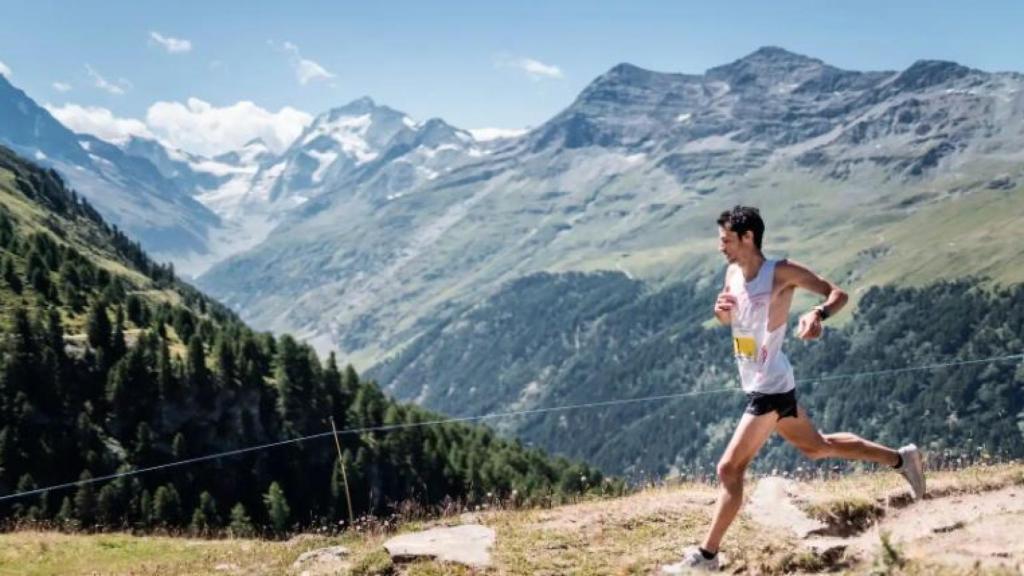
x: 914, y: 368
x: 493, y: 415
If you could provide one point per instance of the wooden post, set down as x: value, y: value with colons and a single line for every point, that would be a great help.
x: 344, y: 476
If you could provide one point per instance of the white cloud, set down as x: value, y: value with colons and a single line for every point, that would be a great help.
x: 103, y: 84
x: 99, y: 122
x: 172, y: 45
x: 535, y: 69
x: 200, y: 127
x: 306, y: 70
x: 487, y: 134
x: 4, y: 69
x: 61, y: 87
x: 195, y: 126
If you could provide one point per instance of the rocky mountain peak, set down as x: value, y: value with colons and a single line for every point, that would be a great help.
x: 359, y: 107
x: 768, y: 66
x: 436, y: 131
x: 926, y: 73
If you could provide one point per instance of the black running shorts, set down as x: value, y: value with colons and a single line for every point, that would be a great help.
x: 784, y: 404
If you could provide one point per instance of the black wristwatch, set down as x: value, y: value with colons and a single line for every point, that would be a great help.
x: 822, y: 312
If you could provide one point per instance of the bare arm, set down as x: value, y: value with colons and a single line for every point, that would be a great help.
x: 799, y: 276
x: 725, y: 303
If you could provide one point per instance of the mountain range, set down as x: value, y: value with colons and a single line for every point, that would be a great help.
x: 408, y: 247
x: 372, y: 226
x: 630, y: 178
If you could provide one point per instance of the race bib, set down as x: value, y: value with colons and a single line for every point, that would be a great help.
x: 744, y: 346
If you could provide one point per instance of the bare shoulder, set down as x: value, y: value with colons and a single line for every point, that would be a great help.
x: 791, y: 273
x: 790, y: 268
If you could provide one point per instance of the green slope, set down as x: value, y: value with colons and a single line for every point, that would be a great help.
x: 108, y: 364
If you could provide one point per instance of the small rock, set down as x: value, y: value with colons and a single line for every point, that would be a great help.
x: 323, y: 561
x: 468, y: 544
x: 771, y: 505
x: 949, y: 528
x: 469, y: 518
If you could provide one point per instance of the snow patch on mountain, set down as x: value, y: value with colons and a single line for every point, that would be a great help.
x: 349, y: 132
x: 325, y: 159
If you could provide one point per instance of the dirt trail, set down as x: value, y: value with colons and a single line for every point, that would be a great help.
x: 593, y: 516
x: 952, y: 529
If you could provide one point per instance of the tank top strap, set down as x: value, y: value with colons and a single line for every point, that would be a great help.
x: 764, y: 280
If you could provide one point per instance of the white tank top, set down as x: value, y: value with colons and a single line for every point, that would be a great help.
x: 763, y: 366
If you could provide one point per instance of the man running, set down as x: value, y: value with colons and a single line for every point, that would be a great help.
x: 755, y: 302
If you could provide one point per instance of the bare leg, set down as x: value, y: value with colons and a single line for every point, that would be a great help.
x: 801, y: 433
x: 750, y: 435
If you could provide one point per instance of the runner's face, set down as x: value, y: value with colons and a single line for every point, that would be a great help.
x: 731, y: 246
x: 727, y: 244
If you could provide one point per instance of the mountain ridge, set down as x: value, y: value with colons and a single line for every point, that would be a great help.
x: 627, y: 176
x: 135, y: 196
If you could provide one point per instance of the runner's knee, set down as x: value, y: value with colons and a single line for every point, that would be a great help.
x: 730, y: 472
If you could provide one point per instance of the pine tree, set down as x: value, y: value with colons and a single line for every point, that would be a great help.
x: 131, y: 391
x: 55, y: 334
x: 69, y: 275
x: 196, y: 374
x: 22, y: 356
x: 21, y: 507
x: 11, y: 276
x: 297, y: 403
x: 166, y: 380
x: 6, y: 229
x: 166, y: 506
x: 134, y: 494
x: 277, y: 508
x: 118, y: 347
x: 179, y: 448
x: 136, y: 311
x: 339, y: 396
x: 145, y: 510
x: 241, y: 524
x: 98, y: 326
x: 224, y: 356
x: 66, y: 514
x: 37, y: 273
x: 85, y: 500
x: 142, y: 451
x: 110, y: 504
x: 183, y: 324
x: 204, y: 518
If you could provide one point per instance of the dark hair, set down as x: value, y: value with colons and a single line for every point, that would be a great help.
x: 742, y: 219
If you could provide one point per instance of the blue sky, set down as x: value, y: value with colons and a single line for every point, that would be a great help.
x: 475, y: 64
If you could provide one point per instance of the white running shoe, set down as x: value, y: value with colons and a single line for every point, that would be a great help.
x: 913, y: 469
x: 693, y: 561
